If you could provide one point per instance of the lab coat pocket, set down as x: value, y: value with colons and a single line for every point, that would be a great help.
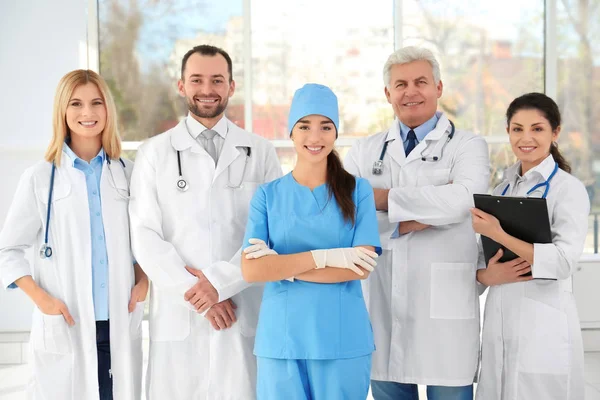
x: 453, y: 291
x: 55, y: 332
x: 169, y: 318
x: 248, y: 308
x: 543, y: 339
x: 59, y: 192
x: 52, y: 357
x: 435, y: 177
x: 135, y: 321
x: 242, y: 197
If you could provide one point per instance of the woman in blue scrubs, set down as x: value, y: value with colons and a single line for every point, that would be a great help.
x: 312, y: 235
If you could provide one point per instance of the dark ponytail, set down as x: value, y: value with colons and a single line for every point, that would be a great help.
x: 558, y: 157
x: 341, y: 186
x: 550, y: 111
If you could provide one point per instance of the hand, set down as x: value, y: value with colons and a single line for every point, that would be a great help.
x: 498, y: 273
x: 222, y: 315
x: 258, y: 249
x: 381, y: 198
x: 486, y: 224
x: 405, y: 227
x: 349, y: 257
x: 203, y: 294
x: 138, y: 293
x: 52, y: 306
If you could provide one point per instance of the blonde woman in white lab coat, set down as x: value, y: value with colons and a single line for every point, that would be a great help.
x: 532, y: 346
x: 72, y: 208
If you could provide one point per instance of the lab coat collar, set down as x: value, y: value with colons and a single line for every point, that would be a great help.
x: 196, y: 128
x: 234, y: 145
x: 181, y: 140
x: 72, y: 157
x: 420, y: 131
x: 443, y: 124
x: 543, y: 169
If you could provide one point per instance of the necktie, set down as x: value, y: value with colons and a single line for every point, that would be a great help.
x: 209, y: 143
x: 412, y: 142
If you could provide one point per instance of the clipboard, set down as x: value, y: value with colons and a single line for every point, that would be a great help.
x: 522, y: 217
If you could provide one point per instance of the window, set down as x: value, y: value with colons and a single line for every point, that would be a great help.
x: 326, y: 42
x: 578, y: 96
x: 141, y: 46
x: 490, y: 53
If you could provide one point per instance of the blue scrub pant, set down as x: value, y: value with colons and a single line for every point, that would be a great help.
x: 103, y: 350
x: 383, y: 390
x: 340, y: 379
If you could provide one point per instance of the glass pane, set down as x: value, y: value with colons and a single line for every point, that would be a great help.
x: 490, y: 53
x: 579, y: 97
x: 142, y: 43
x: 297, y: 42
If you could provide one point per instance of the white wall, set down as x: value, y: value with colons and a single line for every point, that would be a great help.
x: 40, y: 41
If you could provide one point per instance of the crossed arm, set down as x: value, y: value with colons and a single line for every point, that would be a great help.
x: 304, y: 266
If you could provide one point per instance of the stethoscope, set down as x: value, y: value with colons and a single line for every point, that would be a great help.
x: 183, y: 185
x: 45, y: 249
x: 378, y: 165
x: 546, y: 183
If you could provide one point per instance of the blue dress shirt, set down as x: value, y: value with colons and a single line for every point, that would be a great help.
x: 420, y: 131
x: 93, y: 173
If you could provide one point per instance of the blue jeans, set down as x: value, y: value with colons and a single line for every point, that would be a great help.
x: 383, y: 390
x: 103, y: 351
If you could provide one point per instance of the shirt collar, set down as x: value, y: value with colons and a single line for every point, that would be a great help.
x: 195, y: 128
x: 101, y: 156
x: 420, y: 131
x: 543, y: 169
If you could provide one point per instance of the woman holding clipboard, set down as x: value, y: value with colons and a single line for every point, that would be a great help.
x: 531, y: 343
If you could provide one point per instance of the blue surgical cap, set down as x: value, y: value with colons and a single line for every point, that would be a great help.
x: 314, y: 99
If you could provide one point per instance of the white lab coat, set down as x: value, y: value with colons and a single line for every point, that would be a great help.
x: 202, y: 228
x: 422, y: 297
x: 531, y: 342
x: 63, y: 358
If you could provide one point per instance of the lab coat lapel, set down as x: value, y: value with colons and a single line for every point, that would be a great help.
x: 395, y: 146
x: 430, y: 141
x: 181, y: 140
x: 232, y: 148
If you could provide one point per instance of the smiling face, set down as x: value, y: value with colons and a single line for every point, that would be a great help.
x: 313, y: 137
x: 413, y: 93
x: 86, y: 112
x: 531, y: 136
x: 206, y: 87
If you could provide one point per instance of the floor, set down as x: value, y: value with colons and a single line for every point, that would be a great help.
x: 13, y: 379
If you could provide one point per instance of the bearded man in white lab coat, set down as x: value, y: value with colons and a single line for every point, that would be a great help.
x: 191, y: 188
x: 423, y: 297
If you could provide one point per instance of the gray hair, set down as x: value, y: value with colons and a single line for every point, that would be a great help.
x: 407, y: 55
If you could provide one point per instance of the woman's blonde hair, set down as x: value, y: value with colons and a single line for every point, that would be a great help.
x: 111, y: 142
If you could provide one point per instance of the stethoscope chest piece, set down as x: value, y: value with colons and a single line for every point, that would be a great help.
x: 182, y: 184
x: 45, y: 251
x: 378, y: 167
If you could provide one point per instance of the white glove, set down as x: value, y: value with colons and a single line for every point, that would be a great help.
x: 260, y: 249
x: 347, y: 257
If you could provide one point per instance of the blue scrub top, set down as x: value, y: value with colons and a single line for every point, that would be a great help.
x: 306, y: 320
